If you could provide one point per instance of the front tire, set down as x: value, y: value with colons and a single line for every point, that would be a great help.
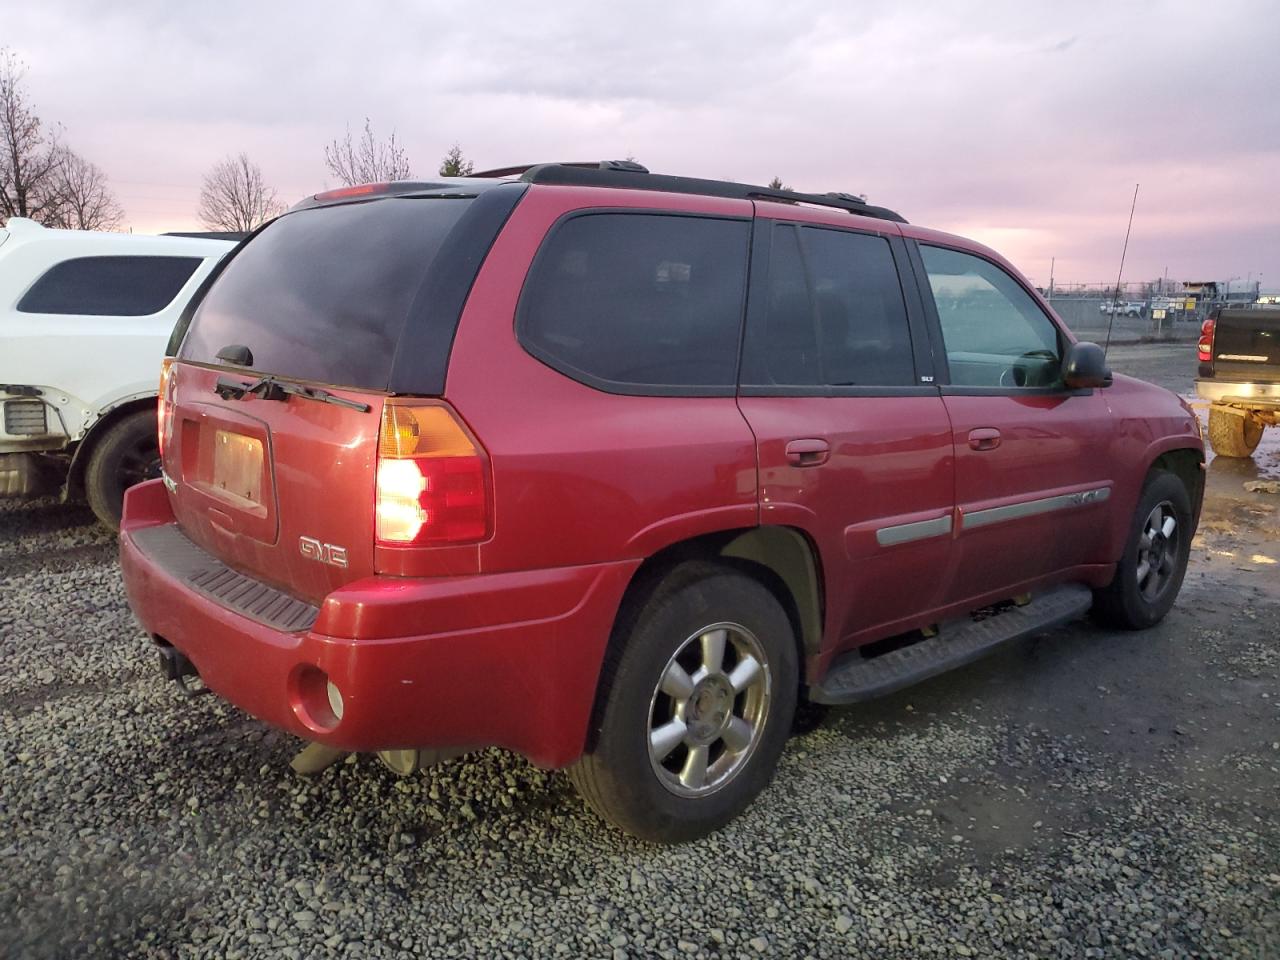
x: 1150, y: 572
x: 127, y: 454
x: 700, y: 693
x: 1233, y: 434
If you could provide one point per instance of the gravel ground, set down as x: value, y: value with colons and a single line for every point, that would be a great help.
x: 1082, y: 794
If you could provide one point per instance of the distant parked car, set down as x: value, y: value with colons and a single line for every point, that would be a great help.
x: 1124, y: 308
x: 84, y: 319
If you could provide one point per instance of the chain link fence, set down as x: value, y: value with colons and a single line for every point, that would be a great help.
x: 1088, y: 319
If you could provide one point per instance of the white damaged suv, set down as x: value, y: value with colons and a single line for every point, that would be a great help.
x: 84, y: 320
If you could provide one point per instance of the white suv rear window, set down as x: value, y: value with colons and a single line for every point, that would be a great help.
x: 109, y: 286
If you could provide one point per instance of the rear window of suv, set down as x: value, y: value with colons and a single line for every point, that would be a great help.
x: 324, y: 294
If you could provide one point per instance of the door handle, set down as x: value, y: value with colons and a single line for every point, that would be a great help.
x: 984, y: 438
x: 808, y: 453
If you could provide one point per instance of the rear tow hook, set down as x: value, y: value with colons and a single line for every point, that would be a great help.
x: 176, y: 667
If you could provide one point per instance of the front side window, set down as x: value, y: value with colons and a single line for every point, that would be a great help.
x: 629, y: 301
x: 834, y: 314
x: 994, y: 333
x: 109, y: 286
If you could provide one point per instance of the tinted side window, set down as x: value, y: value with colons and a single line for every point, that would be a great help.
x: 630, y: 300
x: 995, y: 334
x: 109, y: 286
x: 835, y: 314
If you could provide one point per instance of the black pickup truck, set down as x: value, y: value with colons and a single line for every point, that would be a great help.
x: 1239, y: 354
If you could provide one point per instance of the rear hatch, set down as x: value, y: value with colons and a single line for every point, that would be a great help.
x: 1246, y: 345
x: 271, y: 449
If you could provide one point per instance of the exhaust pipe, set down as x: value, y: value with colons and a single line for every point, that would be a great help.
x: 406, y: 762
x: 315, y: 757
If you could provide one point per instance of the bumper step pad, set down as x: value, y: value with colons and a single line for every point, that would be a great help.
x: 853, y: 678
x: 170, y: 548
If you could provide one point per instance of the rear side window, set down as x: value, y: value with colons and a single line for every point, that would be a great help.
x: 109, y: 286
x: 638, y: 303
x: 324, y: 294
x: 834, y: 314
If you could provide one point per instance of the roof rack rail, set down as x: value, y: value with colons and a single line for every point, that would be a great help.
x: 623, y: 173
x: 628, y: 166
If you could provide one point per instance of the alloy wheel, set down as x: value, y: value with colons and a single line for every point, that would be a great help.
x: 709, y: 709
x: 1158, y: 551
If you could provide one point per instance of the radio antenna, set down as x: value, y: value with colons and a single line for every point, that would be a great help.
x: 1120, y: 273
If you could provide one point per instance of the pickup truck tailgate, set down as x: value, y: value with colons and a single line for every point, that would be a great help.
x: 1246, y: 345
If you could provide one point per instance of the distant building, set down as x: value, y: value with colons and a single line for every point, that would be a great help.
x: 1201, y: 289
x: 1209, y: 293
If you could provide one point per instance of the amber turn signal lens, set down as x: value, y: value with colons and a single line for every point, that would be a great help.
x: 426, y: 431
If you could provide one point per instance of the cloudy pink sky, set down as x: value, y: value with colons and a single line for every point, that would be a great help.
x: 1024, y: 125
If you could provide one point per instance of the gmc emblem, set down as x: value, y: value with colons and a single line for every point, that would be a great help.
x: 313, y: 549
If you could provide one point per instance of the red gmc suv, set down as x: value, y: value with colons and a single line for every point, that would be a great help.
x: 611, y: 469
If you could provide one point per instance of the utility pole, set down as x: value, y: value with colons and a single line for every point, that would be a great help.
x: 1052, y: 261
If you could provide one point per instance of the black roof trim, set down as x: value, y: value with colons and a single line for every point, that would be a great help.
x: 632, y: 176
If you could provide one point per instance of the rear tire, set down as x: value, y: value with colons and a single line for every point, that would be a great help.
x: 127, y: 454
x: 700, y: 691
x: 1233, y: 434
x: 1150, y: 572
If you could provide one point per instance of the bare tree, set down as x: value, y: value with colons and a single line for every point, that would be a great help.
x: 455, y: 164
x: 367, y: 160
x: 233, y: 196
x: 28, y: 153
x: 80, y: 197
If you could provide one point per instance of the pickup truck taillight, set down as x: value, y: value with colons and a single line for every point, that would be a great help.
x: 1204, y: 349
x: 433, y: 478
x: 164, y: 407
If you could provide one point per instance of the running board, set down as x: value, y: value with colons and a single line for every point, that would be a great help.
x: 854, y: 677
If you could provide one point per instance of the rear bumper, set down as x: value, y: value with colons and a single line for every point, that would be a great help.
x: 513, y: 659
x: 1236, y: 392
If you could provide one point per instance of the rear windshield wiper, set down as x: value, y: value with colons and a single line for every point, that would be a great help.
x: 269, y: 388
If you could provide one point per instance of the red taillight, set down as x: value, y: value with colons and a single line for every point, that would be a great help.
x: 1205, y: 348
x: 433, y: 478
x: 164, y: 408
x: 359, y: 190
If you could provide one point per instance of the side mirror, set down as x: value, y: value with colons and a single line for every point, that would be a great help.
x: 1085, y: 365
